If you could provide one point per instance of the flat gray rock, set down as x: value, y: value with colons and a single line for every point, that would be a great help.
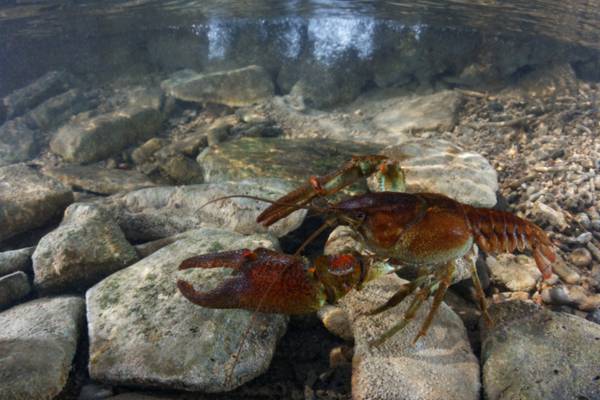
x: 86, y: 247
x: 235, y: 88
x: 28, y: 199
x: 17, y: 141
x: 13, y: 287
x: 438, y: 166
x: 434, y: 112
x: 144, y: 332
x: 16, y: 260
x: 38, y: 340
x: 48, y: 85
x: 100, y: 180
x: 155, y: 213
x: 533, y: 353
x: 88, y: 137
x: 440, y: 365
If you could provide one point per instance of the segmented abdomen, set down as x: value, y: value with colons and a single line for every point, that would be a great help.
x: 499, y: 231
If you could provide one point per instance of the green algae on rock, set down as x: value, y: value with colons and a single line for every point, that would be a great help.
x: 292, y: 160
x: 144, y: 332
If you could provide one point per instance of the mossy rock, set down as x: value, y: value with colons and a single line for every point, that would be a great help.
x: 292, y: 160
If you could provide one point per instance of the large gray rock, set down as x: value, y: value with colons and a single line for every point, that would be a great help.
x: 38, y: 340
x: 58, y: 109
x: 440, y: 365
x: 50, y: 84
x: 17, y: 141
x: 13, y: 287
x: 87, y: 138
x: 438, y: 166
x: 533, y: 353
x: 28, y: 199
x: 236, y: 88
x: 435, y: 112
x: 293, y: 160
x: 154, y: 213
x: 86, y: 247
x: 100, y: 180
x: 322, y: 86
x: 16, y: 260
x: 144, y: 332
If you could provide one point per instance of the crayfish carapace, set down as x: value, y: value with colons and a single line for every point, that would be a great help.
x: 427, y: 230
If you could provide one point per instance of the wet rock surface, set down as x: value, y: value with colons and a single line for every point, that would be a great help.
x: 50, y: 84
x: 292, y: 160
x: 434, y: 112
x: 86, y: 247
x: 99, y: 180
x: 38, y: 341
x: 440, y: 365
x: 237, y: 87
x: 154, y: 213
x: 89, y: 137
x: 17, y: 141
x: 561, y: 344
x: 13, y: 287
x: 16, y: 260
x: 29, y: 199
x: 439, y: 166
x: 138, y: 314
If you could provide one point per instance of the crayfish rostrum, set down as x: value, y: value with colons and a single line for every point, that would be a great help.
x: 427, y: 230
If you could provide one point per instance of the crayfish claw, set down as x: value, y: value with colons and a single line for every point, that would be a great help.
x: 228, y: 259
x: 227, y: 295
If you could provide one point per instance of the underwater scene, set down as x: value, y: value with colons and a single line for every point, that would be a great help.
x: 299, y: 199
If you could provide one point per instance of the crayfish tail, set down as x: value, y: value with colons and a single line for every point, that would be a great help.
x: 502, y: 232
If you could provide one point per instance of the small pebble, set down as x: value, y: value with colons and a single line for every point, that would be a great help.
x: 584, y: 220
x: 594, y: 316
x: 581, y: 257
x: 584, y: 238
x: 340, y: 356
x: 594, y: 250
x: 95, y: 392
x: 556, y: 295
x: 565, y: 273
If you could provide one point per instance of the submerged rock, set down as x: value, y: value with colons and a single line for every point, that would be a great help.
x: 17, y: 141
x: 154, y: 213
x: 143, y: 331
x: 50, y: 84
x: 321, y: 85
x: 438, y: 111
x: 86, y: 247
x: 235, y: 88
x: 87, y: 138
x: 534, y: 353
x: 99, y: 180
x: 58, y: 109
x: 37, y: 345
x: 293, y: 160
x: 16, y: 260
x: 13, y: 287
x: 28, y: 199
x: 440, y: 365
x: 438, y: 166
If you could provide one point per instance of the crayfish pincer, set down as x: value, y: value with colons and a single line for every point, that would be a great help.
x: 427, y: 230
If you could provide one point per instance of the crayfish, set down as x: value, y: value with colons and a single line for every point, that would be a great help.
x: 427, y: 230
